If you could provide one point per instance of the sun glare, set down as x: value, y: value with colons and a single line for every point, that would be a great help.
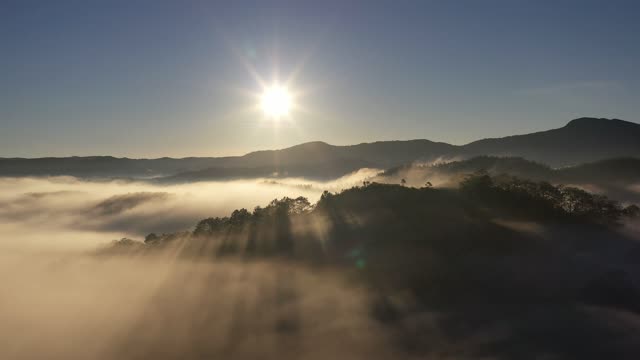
x: 276, y: 102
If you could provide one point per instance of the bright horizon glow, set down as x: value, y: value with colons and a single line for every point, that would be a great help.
x: 276, y: 101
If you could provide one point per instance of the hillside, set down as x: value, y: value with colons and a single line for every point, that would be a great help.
x: 606, y: 173
x: 580, y: 141
x: 490, y: 253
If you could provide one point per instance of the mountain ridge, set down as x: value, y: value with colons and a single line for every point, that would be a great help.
x: 581, y: 140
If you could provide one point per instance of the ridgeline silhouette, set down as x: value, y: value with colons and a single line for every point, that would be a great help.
x: 580, y: 141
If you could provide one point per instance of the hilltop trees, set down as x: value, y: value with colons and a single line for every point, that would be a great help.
x: 386, y: 211
x: 541, y: 199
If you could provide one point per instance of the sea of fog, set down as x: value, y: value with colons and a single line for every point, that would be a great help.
x: 59, y: 300
x: 69, y: 213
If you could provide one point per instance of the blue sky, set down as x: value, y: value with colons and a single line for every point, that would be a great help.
x: 170, y: 78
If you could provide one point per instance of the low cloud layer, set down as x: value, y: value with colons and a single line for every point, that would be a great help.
x: 82, y: 307
x: 46, y: 213
x: 60, y: 301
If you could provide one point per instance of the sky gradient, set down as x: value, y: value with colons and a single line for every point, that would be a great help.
x: 171, y: 78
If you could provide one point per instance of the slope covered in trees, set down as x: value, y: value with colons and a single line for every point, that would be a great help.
x: 490, y: 253
x: 610, y: 173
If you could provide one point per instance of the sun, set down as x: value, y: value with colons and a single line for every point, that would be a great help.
x: 276, y: 101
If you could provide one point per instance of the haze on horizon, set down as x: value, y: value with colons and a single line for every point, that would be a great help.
x: 161, y: 78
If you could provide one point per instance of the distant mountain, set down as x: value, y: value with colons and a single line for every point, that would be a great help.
x: 621, y: 171
x: 319, y: 160
x: 617, y: 178
x: 580, y: 141
x: 316, y: 170
x: 102, y: 166
x: 515, y: 166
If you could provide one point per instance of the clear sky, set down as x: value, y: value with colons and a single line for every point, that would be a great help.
x: 171, y: 78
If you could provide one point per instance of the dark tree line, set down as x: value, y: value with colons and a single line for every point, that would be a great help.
x: 542, y: 199
x: 268, y: 230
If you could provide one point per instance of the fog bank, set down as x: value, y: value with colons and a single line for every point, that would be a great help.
x: 83, y: 307
x: 65, y: 212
